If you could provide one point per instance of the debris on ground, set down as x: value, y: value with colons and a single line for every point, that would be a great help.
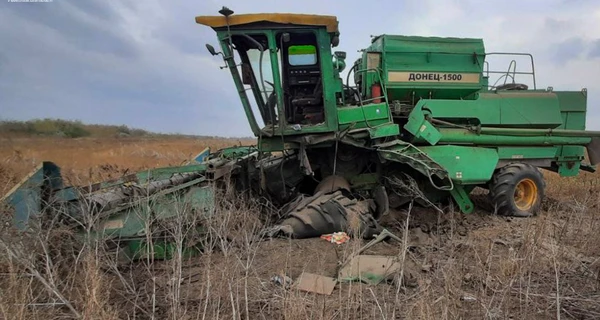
x: 426, y: 267
x: 382, y: 236
x: 311, y: 282
x: 283, y: 281
x: 370, y: 269
x: 336, y: 237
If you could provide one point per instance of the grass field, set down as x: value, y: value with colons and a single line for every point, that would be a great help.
x: 455, y: 266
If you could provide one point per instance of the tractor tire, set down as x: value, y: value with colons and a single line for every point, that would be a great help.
x: 326, y: 213
x: 517, y: 189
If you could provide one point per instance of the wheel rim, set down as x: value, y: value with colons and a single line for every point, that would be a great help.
x: 525, y: 194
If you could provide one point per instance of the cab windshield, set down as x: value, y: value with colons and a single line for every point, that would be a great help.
x: 257, y: 68
x: 296, y: 64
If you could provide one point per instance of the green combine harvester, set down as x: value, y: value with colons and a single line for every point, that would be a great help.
x: 420, y: 122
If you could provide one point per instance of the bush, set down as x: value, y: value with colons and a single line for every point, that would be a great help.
x: 75, y: 131
x: 68, y: 128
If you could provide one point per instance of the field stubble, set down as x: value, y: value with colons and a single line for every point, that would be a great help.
x: 476, y: 266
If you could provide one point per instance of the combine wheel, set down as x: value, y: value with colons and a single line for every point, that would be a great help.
x: 517, y: 190
x: 328, y: 213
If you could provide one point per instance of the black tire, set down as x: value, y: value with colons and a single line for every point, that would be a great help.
x: 517, y: 189
x: 328, y: 213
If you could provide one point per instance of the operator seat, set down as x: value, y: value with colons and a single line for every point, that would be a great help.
x: 315, y: 99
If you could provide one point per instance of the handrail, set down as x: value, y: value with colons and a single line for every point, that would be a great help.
x: 513, y: 63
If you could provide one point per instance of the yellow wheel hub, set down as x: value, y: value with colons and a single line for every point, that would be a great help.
x: 526, y: 194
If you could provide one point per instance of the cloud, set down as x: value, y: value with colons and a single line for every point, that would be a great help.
x: 143, y: 63
x: 159, y: 88
x: 594, y: 49
x: 84, y: 24
x: 567, y: 50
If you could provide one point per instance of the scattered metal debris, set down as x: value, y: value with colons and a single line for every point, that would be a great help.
x: 382, y: 236
x: 468, y: 298
x: 283, y: 281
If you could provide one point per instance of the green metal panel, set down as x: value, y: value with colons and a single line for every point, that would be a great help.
x: 468, y: 137
x: 527, y: 152
x: 26, y: 198
x: 531, y: 110
x: 445, y: 68
x: 420, y: 128
x: 573, y: 105
x: 160, y: 249
x: 465, y: 165
x: 369, y: 115
x: 385, y: 130
x: 330, y: 84
x: 461, y: 196
x: 572, y: 101
x: 275, y: 69
x: 569, y: 169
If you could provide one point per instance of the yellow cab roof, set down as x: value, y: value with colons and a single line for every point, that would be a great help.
x: 330, y: 22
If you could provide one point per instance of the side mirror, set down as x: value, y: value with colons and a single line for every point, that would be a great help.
x: 285, y: 37
x: 335, y: 41
x: 211, y: 49
x: 246, y: 74
x: 340, y: 54
x: 339, y: 60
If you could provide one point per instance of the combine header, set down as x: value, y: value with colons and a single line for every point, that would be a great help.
x: 420, y: 122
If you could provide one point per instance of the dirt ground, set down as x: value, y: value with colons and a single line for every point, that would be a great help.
x: 455, y: 266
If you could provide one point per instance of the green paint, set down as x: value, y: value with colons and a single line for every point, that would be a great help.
x: 569, y: 168
x: 421, y: 128
x: 461, y: 196
x: 468, y: 137
x: 385, y: 130
x: 519, y: 109
x: 465, y: 165
x: 159, y: 250
x: 518, y: 153
x: 426, y: 55
x: 361, y: 117
x: 407, y: 153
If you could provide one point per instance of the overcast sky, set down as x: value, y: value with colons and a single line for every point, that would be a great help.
x: 144, y: 64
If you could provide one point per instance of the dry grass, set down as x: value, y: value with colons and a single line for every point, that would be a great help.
x: 456, y: 266
x: 88, y: 160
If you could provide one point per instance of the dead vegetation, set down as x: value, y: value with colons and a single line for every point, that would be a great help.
x: 454, y: 266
